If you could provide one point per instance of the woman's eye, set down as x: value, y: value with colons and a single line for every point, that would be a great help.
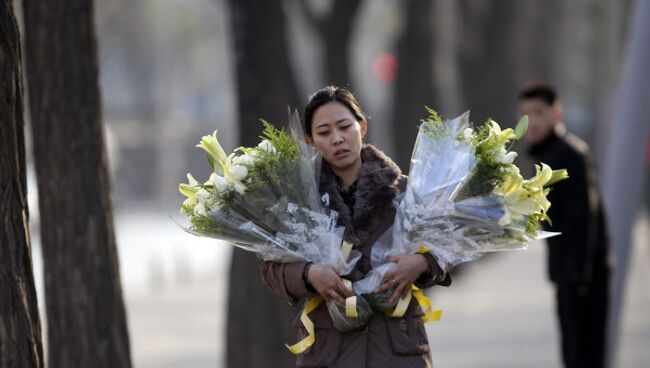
x: 322, y: 134
x: 346, y: 126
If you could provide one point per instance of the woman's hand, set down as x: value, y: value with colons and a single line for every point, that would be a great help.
x: 328, y: 283
x: 406, y: 271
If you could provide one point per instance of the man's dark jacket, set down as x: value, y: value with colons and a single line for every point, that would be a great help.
x: 576, y: 210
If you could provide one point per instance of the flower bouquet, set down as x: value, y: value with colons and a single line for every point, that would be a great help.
x: 465, y: 197
x: 265, y: 199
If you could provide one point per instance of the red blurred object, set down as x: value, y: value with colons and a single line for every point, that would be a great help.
x: 384, y: 67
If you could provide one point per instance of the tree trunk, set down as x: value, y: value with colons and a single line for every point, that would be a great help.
x: 85, y: 311
x: 414, y: 82
x: 335, y: 31
x: 488, y: 58
x: 20, y: 328
x: 259, y: 322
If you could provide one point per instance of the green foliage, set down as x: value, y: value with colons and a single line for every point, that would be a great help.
x: 521, y: 128
x: 205, y: 224
x: 433, y: 114
x: 284, y: 143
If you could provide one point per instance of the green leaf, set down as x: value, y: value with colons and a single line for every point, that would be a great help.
x: 433, y: 114
x: 522, y: 127
x: 210, y: 161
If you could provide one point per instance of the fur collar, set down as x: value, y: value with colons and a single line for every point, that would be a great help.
x: 378, y: 185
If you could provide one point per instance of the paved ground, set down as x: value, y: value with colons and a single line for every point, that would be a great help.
x: 498, y: 314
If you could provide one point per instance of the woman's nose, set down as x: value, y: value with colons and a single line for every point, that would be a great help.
x: 338, y: 137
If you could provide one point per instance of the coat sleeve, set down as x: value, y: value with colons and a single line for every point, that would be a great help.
x: 426, y: 280
x: 575, y: 216
x: 285, y: 279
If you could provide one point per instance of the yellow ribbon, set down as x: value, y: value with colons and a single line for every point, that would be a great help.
x: 346, y: 249
x: 312, y: 303
x: 423, y: 301
x: 350, y: 302
x: 425, y: 304
x: 401, y: 307
x: 308, y: 341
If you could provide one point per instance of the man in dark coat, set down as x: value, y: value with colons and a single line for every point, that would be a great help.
x: 578, y: 263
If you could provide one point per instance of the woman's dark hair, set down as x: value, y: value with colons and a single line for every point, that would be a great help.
x: 542, y: 91
x: 331, y: 94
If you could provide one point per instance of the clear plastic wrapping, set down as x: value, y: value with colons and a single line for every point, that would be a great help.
x: 265, y: 200
x: 464, y: 198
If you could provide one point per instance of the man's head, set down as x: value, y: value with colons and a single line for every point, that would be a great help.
x: 539, y: 101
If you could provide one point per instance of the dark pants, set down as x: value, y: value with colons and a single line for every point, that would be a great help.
x: 582, y: 310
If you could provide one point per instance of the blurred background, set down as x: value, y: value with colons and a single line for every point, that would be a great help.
x: 174, y: 70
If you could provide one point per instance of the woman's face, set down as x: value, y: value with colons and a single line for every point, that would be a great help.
x: 337, y: 134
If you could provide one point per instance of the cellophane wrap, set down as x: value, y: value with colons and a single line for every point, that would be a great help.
x: 265, y: 200
x: 464, y: 198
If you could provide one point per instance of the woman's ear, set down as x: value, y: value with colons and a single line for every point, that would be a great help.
x: 363, y: 127
x: 309, y: 139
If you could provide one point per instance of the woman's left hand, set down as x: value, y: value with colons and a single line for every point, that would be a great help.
x: 406, y: 270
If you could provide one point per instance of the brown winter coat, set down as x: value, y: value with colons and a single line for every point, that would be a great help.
x: 384, y: 341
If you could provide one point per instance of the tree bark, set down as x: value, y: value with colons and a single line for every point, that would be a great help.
x: 335, y: 31
x: 20, y: 328
x: 502, y: 45
x: 85, y: 311
x: 259, y: 322
x: 487, y: 59
x: 414, y: 81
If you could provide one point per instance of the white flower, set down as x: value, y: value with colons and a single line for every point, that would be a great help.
x: 238, y: 173
x: 467, y: 133
x: 266, y: 146
x: 211, y: 145
x: 202, y: 195
x: 508, y: 158
x: 245, y: 159
x: 239, y: 187
x: 191, y: 180
x: 504, y: 157
x: 199, y: 210
x: 219, y: 182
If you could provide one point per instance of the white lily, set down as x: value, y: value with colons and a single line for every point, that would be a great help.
x: 211, y: 145
x: 219, y: 182
x: 245, y: 159
x: 502, y: 136
x: 239, y: 187
x: 190, y: 179
x: 516, y: 205
x: 512, y: 181
x: 543, y: 175
x: 266, y: 146
x: 202, y: 196
x: 199, y: 210
x: 189, y: 190
x: 507, y: 158
x: 189, y: 203
x: 237, y: 173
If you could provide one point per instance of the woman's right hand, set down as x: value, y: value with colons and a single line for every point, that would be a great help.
x: 328, y: 283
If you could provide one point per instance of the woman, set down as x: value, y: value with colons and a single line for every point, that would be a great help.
x: 362, y: 183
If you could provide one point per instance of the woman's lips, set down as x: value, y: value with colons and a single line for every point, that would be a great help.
x: 341, y: 153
